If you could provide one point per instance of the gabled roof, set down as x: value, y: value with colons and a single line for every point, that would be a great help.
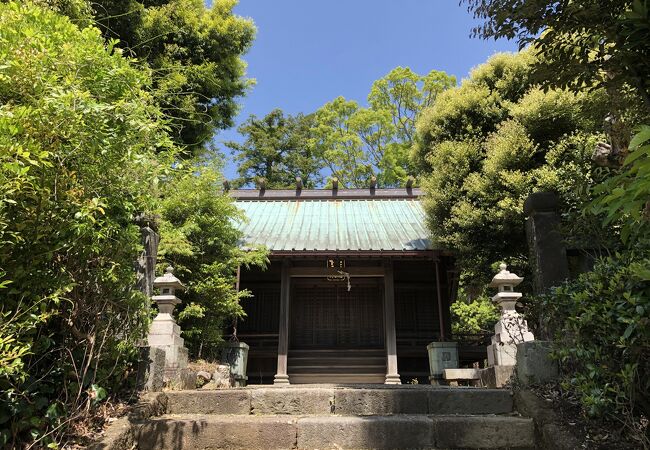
x: 386, y: 220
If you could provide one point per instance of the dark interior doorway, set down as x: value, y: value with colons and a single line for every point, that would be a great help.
x: 326, y: 315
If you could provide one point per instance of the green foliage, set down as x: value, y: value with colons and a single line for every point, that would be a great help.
x: 491, y: 142
x: 356, y: 143
x: 276, y: 149
x: 602, y: 335
x: 624, y: 197
x: 193, y: 50
x: 582, y: 43
x: 199, y: 238
x: 82, y: 148
x: 477, y: 316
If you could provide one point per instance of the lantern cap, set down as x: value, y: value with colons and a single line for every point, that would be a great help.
x: 505, y: 278
x: 168, y: 280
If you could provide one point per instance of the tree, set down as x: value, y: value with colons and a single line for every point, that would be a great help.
x: 357, y: 143
x: 200, y: 240
x: 487, y: 145
x: 82, y: 150
x: 276, y: 148
x: 582, y: 44
x: 194, y: 51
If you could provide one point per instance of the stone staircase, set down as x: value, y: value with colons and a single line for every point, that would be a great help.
x: 335, y: 417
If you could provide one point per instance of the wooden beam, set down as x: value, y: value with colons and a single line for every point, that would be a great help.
x: 327, y: 272
x: 281, y: 376
x: 392, y: 376
x: 367, y: 254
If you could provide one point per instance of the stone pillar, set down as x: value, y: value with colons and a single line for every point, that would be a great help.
x: 164, y: 332
x: 146, y: 263
x: 281, y: 377
x: 392, y: 376
x: 547, y: 252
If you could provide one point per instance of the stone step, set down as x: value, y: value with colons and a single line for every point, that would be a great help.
x: 180, y: 432
x: 349, y: 401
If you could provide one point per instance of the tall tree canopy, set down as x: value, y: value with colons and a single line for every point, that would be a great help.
x: 276, y: 149
x: 357, y: 143
x: 194, y: 52
x: 583, y: 43
x: 342, y: 138
x: 487, y: 144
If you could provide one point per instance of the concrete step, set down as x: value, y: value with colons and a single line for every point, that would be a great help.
x: 180, y: 432
x: 359, y: 400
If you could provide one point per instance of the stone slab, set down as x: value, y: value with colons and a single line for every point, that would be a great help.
x: 365, y: 402
x: 496, y: 376
x: 377, y: 432
x: 227, y: 401
x: 292, y: 401
x: 550, y: 432
x: 217, y: 432
x: 534, y: 364
x: 461, y: 374
x: 484, y: 432
x: 151, y: 369
x: 470, y: 401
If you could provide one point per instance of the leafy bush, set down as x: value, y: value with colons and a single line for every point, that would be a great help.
x: 477, y: 316
x: 199, y: 238
x: 82, y: 148
x: 601, y: 326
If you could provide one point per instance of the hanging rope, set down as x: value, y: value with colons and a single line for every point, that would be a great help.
x: 346, y: 275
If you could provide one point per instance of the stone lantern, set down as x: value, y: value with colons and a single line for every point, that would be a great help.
x: 511, y: 329
x: 164, y: 332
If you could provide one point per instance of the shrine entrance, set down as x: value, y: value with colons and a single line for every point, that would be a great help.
x: 335, y: 315
x: 336, y: 331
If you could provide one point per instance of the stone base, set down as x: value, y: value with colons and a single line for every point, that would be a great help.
x: 187, y: 379
x: 151, y: 369
x: 393, y: 378
x: 496, y: 376
x: 502, y: 354
x: 281, y: 379
x: 534, y: 364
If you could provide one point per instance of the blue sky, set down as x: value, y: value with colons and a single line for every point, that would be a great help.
x: 308, y: 52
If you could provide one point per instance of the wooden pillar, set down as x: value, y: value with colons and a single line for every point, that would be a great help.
x: 392, y: 377
x: 441, y: 320
x: 281, y: 377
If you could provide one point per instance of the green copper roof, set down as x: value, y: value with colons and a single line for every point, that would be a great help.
x: 330, y: 225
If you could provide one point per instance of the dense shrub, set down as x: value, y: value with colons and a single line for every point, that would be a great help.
x: 82, y: 148
x: 601, y: 326
x: 477, y: 316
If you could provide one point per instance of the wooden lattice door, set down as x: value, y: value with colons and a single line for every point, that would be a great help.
x: 326, y: 315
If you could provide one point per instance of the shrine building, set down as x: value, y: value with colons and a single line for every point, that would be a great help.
x: 355, y: 290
